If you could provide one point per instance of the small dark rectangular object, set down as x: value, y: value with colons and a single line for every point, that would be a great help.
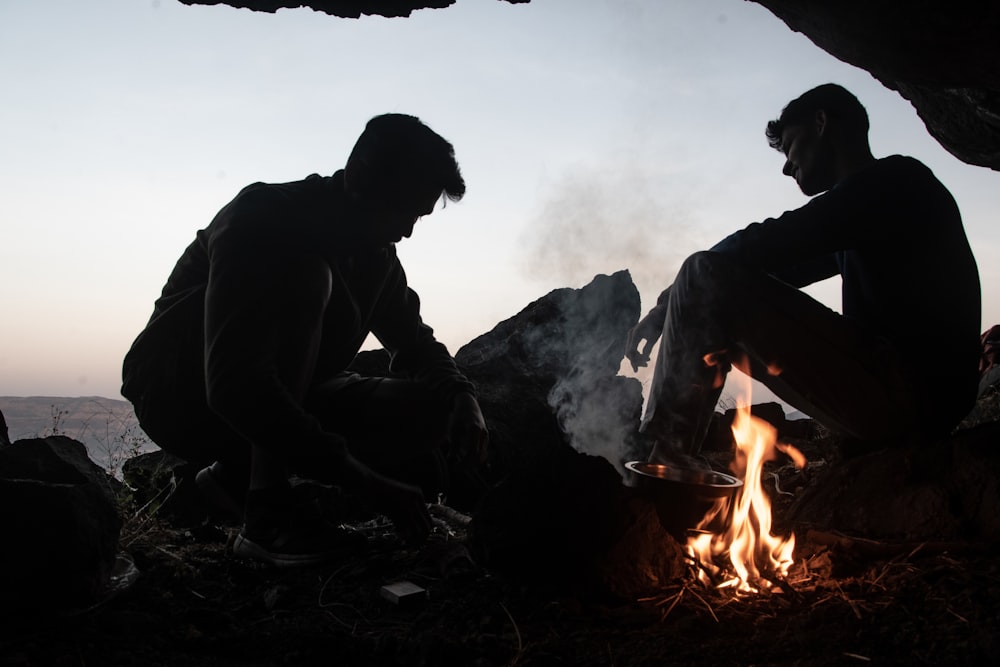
x: 403, y: 593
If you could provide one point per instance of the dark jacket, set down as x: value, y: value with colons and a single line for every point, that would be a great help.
x: 894, y: 234
x: 276, y: 270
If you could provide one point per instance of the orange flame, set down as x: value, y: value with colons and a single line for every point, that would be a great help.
x: 756, y: 557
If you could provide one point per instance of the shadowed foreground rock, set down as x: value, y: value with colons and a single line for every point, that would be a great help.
x: 4, y: 437
x: 561, y: 422
x: 540, y: 372
x: 61, y: 524
x: 948, y: 492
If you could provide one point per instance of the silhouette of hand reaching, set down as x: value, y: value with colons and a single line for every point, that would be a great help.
x: 402, y: 503
x: 649, y: 329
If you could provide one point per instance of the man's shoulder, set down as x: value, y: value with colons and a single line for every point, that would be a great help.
x: 902, y: 164
x: 288, y: 192
x: 281, y: 203
x: 892, y: 173
x: 282, y: 214
x: 896, y: 160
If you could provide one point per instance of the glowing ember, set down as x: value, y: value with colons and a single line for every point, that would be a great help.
x: 756, y: 558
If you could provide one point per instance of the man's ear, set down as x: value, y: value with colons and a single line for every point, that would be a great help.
x: 820, y: 122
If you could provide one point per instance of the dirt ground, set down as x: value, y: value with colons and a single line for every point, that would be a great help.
x: 194, y: 604
x: 846, y: 601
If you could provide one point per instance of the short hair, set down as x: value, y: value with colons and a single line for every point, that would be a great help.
x: 835, y: 100
x: 400, y: 150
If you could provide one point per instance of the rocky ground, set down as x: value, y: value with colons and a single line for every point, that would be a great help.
x: 195, y: 605
x: 848, y: 600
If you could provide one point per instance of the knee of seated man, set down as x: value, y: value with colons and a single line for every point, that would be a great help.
x: 709, y: 269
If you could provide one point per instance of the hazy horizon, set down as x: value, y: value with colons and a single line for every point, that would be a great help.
x: 594, y: 137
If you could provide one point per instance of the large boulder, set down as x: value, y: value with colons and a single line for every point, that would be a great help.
x: 561, y: 423
x: 939, y: 55
x: 573, y: 524
x: 548, y: 376
x: 949, y: 491
x: 61, y: 524
x: 4, y: 437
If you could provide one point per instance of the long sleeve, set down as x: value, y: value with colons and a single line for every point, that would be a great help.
x: 415, y: 351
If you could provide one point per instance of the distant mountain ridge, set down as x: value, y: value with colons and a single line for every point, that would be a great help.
x: 106, y: 426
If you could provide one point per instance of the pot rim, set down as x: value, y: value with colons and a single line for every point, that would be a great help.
x: 649, y: 471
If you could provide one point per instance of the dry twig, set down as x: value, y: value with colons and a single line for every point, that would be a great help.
x: 707, y: 606
x: 517, y: 631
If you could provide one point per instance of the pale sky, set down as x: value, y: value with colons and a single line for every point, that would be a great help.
x: 594, y: 136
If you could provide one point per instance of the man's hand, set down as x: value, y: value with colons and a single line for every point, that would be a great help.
x: 649, y: 329
x: 402, y: 503
x: 467, y: 432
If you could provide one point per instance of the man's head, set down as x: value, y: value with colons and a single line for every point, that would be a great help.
x: 823, y: 134
x: 398, y: 170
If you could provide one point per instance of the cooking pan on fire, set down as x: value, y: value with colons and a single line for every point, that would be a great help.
x: 685, y: 498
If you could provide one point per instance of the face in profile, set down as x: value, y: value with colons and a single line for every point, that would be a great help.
x: 390, y: 218
x: 808, y: 159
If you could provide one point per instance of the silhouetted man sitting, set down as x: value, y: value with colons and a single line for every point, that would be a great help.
x: 898, y: 366
x: 242, y: 366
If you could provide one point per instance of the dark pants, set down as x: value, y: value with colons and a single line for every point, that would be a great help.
x: 391, y: 424
x: 828, y: 366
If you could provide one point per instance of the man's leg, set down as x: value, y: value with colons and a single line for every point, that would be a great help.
x: 686, y: 387
x: 810, y: 356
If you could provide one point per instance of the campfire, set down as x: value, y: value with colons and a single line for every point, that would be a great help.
x: 745, y: 555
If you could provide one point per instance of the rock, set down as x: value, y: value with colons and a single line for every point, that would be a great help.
x: 547, y: 377
x: 575, y: 525
x: 348, y: 9
x: 4, y: 435
x: 562, y: 332
x: 164, y: 484
x: 946, y: 492
x: 61, y: 525
x: 644, y: 557
x: 990, y: 381
x: 973, y: 480
x: 939, y: 55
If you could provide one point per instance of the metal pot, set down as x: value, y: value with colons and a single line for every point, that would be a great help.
x: 686, y: 498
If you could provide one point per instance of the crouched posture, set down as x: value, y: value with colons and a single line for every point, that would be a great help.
x: 241, y: 367
x: 900, y: 363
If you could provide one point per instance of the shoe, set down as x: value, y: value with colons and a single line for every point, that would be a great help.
x: 284, y: 533
x: 225, y: 500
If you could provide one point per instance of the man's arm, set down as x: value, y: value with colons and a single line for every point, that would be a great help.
x: 416, y: 352
x: 649, y: 329
x: 862, y: 211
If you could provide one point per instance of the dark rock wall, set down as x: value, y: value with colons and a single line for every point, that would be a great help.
x: 348, y: 9
x: 941, y: 55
